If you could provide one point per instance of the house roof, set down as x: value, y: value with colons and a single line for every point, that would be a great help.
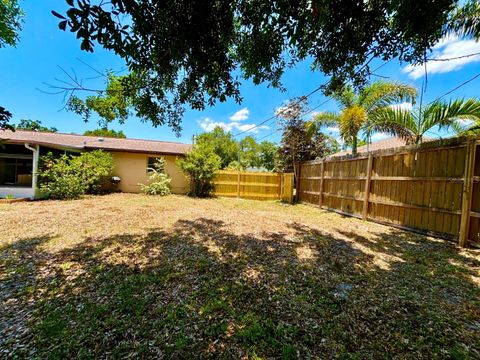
x: 80, y: 142
x: 390, y: 143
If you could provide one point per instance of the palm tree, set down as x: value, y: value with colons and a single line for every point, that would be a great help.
x: 356, y: 109
x: 411, y: 125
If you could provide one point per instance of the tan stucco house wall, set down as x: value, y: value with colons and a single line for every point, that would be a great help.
x: 130, y: 158
x: 132, y: 169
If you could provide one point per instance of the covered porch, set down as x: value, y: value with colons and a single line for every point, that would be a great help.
x: 18, y: 170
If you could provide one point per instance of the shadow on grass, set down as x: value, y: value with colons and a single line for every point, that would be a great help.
x: 201, y: 290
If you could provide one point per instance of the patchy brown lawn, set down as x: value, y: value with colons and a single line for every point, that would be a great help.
x: 130, y: 275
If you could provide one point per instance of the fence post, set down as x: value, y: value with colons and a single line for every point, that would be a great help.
x: 367, y: 187
x: 320, y: 195
x: 288, y: 179
x: 238, y: 184
x: 467, y: 191
x: 297, y: 183
x: 282, y: 184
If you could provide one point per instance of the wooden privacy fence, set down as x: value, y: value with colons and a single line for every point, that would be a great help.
x: 254, y: 185
x: 433, y: 188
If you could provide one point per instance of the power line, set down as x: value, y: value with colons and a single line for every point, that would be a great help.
x: 273, y: 132
x: 456, y: 88
x: 454, y: 58
x: 316, y: 107
x: 302, y: 98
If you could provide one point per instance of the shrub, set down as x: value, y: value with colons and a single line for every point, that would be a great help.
x: 95, y: 169
x: 158, y: 181
x: 69, y: 177
x: 200, y: 166
x: 58, y: 180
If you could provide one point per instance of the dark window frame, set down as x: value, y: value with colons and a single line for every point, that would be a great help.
x: 22, y: 162
x: 150, y: 164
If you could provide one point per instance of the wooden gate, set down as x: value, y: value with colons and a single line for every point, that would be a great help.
x: 254, y: 185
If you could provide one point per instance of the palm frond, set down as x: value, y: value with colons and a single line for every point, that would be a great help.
x: 465, y: 20
x: 447, y: 115
x: 383, y: 93
x: 395, y: 122
x: 327, y: 118
x: 470, y: 130
x: 351, y: 121
x: 346, y: 98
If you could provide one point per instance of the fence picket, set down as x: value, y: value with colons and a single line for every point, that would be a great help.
x: 254, y: 185
x: 426, y: 188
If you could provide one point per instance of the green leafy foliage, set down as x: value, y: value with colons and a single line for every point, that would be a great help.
x: 69, y: 177
x: 11, y: 18
x: 33, y: 125
x: 301, y: 141
x: 268, y: 154
x: 126, y: 95
x: 183, y: 53
x: 59, y: 180
x: 158, y: 181
x: 104, y: 132
x: 200, y: 166
x: 249, y: 153
x: 223, y: 144
x: 5, y: 117
x: 465, y: 19
x: 239, y: 155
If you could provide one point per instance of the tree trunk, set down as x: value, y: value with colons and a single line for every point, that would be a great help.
x: 354, y: 146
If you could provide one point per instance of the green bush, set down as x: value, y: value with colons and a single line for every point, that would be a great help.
x: 200, y: 166
x: 69, y: 177
x: 158, y: 181
x: 95, y: 168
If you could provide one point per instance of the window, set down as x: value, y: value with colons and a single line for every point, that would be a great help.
x: 16, y: 171
x: 151, y: 163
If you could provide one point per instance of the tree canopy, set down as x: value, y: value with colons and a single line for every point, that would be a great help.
x: 193, y: 53
x: 243, y: 154
x: 300, y: 140
x: 33, y: 125
x: 223, y: 144
x: 5, y: 117
x: 104, y: 132
x: 11, y: 17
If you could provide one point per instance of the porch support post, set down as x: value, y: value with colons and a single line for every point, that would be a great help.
x: 36, y: 157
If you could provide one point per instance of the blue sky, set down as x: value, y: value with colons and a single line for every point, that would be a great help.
x: 43, y: 48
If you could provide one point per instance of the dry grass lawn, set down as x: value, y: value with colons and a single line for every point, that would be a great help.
x: 135, y: 276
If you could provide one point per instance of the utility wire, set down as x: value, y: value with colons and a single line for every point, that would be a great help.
x: 309, y: 111
x: 302, y: 98
x: 454, y: 58
x: 456, y: 88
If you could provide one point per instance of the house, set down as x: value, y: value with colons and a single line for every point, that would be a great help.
x: 390, y: 143
x: 20, y: 152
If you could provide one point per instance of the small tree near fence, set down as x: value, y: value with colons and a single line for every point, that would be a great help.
x: 300, y: 141
x: 200, y: 166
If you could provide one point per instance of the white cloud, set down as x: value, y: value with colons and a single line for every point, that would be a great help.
x: 448, y: 47
x: 407, y: 106
x: 333, y: 129
x: 240, y: 115
x: 379, y: 136
x: 208, y: 124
